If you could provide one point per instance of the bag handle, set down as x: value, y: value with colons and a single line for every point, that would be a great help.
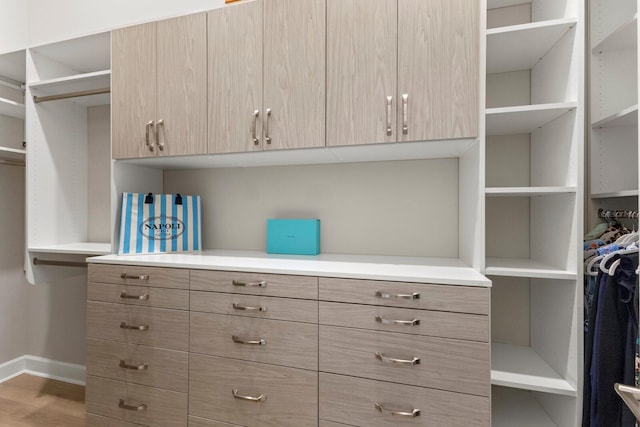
x: 148, y: 199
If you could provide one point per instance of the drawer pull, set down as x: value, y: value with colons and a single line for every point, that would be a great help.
x: 261, y: 284
x: 123, y: 325
x: 141, y: 407
x: 386, y: 359
x: 125, y: 295
x: 134, y: 276
x: 260, y: 398
x: 414, y: 322
x: 239, y: 340
x: 142, y: 367
x: 248, y: 308
x: 414, y: 412
x: 386, y: 295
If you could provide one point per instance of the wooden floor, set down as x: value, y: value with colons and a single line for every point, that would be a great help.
x: 29, y: 401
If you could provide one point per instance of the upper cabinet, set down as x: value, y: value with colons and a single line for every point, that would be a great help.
x: 159, y: 96
x: 402, y: 70
x: 267, y: 75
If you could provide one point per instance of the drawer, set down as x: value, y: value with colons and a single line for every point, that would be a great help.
x: 93, y: 420
x: 157, y: 277
x: 275, y: 285
x: 284, y: 343
x: 459, y: 299
x: 352, y: 401
x: 147, y: 296
x: 164, y: 328
x: 203, y: 422
x: 474, y: 327
x: 296, y: 310
x: 150, y: 366
x: 445, y: 364
x: 290, y: 396
x: 163, y: 408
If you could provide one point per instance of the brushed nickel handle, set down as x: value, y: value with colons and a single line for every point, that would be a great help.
x: 387, y: 295
x: 256, y: 114
x: 134, y: 276
x: 386, y: 359
x: 260, y: 398
x: 248, y: 308
x: 123, y: 325
x: 411, y: 414
x: 239, y: 340
x: 389, y: 103
x: 261, y: 284
x: 147, y: 130
x: 142, y: 367
x: 141, y: 407
x: 267, y: 138
x: 405, y: 114
x: 414, y: 322
x: 125, y: 295
x: 159, y: 142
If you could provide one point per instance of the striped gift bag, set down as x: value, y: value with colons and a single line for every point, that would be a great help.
x: 159, y: 223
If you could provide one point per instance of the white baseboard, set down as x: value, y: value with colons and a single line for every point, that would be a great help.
x: 41, y: 367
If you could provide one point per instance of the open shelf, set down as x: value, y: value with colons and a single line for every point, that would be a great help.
x: 86, y: 248
x: 625, y: 37
x: 612, y: 194
x: 11, y: 108
x: 509, y: 405
x: 12, y: 153
x: 626, y: 117
x: 494, y: 4
x: 76, y: 83
x: 521, y: 367
x: 524, y: 119
x: 527, y: 191
x: 517, y: 267
x: 520, y: 47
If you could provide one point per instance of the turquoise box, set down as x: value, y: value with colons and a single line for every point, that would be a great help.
x: 293, y: 236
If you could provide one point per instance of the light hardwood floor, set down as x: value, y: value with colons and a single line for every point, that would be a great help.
x: 29, y: 401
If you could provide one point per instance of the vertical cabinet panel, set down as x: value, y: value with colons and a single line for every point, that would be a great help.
x: 235, y: 78
x: 361, y: 71
x: 438, y: 48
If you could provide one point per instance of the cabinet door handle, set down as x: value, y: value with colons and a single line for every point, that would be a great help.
x: 267, y: 138
x: 123, y: 325
x: 141, y: 407
x: 414, y: 322
x: 261, y: 284
x: 254, y: 127
x: 405, y: 114
x: 389, y: 104
x: 260, y: 398
x: 142, y: 367
x: 248, y: 308
x: 386, y: 359
x: 386, y: 295
x: 125, y: 295
x: 147, y: 138
x: 159, y: 142
x: 411, y: 414
x: 238, y: 340
x: 134, y: 276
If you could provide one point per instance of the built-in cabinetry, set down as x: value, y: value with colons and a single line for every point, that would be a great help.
x: 534, y: 205
x: 12, y: 109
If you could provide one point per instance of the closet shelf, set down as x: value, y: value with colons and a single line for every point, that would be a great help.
x: 494, y: 4
x: 527, y: 191
x: 76, y: 83
x: 86, y: 248
x: 517, y: 267
x: 521, y: 367
x: 524, y: 119
x: 613, y: 194
x: 520, y: 47
x: 509, y: 405
x: 11, y: 108
x: 622, y: 38
x: 12, y: 153
x: 626, y: 117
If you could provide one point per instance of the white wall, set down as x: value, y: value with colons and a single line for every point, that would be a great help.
x: 13, y: 25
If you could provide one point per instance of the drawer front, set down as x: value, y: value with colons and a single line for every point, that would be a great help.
x: 203, y: 422
x: 164, y: 328
x: 445, y: 364
x: 93, y: 420
x: 275, y: 285
x: 135, y: 363
x: 352, y: 401
x: 163, y: 408
x: 474, y: 327
x: 284, y: 343
x: 290, y: 396
x: 139, y: 295
x: 137, y: 275
x: 459, y: 299
x: 296, y: 310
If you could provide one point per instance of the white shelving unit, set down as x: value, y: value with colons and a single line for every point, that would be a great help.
x: 527, y: 191
x: 524, y: 118
x: 12, y: 108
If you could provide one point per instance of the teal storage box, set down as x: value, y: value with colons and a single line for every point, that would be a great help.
x: 293, y: 236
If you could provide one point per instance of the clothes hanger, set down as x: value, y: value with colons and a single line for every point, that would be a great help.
x: 609, y: 270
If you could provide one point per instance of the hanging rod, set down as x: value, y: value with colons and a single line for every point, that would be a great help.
x: 617, y: 214
x: 38, y: 99
x: 37, y: 261
x: 12, y: 162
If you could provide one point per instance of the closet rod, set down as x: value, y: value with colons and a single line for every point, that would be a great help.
x: 38, y: 99
x: 617, y: 214
x: 37, y: 261
x: 11, y: 162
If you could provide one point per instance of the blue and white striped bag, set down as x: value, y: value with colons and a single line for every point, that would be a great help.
x: 159, y: 223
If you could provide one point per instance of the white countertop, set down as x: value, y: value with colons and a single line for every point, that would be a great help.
x: 449, y: 271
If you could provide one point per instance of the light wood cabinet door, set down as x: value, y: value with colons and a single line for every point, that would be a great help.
x: 438, y: 69
x: 361, y: 71
x: 133, y: 90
